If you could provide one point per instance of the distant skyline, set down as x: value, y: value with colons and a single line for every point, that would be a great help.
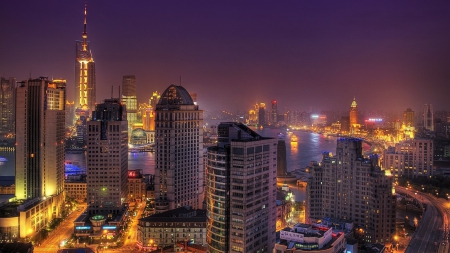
x: 390, y: 55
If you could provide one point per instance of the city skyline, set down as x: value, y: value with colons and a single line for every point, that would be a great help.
x: 389, y: 55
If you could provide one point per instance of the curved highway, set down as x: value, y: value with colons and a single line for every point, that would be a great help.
x: 429, y: 233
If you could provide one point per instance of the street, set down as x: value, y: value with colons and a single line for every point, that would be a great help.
x: 62, y: 232
x: 428, y: 235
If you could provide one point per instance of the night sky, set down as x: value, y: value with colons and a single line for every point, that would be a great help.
x: 390, y: 55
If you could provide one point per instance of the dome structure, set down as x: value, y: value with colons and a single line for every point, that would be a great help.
x: 175, y: 95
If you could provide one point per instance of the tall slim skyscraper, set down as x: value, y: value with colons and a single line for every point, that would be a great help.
x: 129, y: 98
x: 84, y: 72
x: 241, y: 191
x: 107, y: 165
x: 408, y: 117
x: 262, y: 114
x: 351, y: 187
x: 274, y: 113
x: 40, y: 133
x: 7, y: 105
x: 428, y: 117
x: 179, y: 151
x: 353, y: 114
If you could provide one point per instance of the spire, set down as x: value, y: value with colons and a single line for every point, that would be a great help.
x: 353, y: 102
x: 84, y: 35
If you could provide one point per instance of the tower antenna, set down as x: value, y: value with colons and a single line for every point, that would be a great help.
x: 112, y: 91
x: 84, y: 35
x: 180, y: 80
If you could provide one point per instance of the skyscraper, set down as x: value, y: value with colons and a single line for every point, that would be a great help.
x: 129, y: 98
x: 408, y: 117
x: 262, y: 114
x: 179, y: 145
x: 353, y: 114
x: 7, y: 105
x: 241, y: 191
x: 274, y: 113
x: 84, y: 72
x: 107, y: 165
x: 40, y: 133
x: 428, y: 117
x: 351, y: 187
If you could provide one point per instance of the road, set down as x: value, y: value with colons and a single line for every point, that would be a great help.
x: 428, y: 235
x: 63, y: 231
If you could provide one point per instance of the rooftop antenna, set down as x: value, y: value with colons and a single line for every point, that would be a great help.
x: 180, y: 80
x: 112, y: 91
x: 84, y: 34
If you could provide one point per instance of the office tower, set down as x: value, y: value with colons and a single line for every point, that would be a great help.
x: 84, y: 72
x: 428, y: 117
x: 413, y: 158
x: 351, y: 187
x: 107, y: 161
x: 281, y: 158
x: 7, y: 105
x: 262, y: 114
x: 274, y: 113
x: 40, y: 138
x: 179, y: 145
x: 70, y: 113
x: 129, y: 98
x: 353, y: 114
x: 241, y: 191
x: 408, y: 117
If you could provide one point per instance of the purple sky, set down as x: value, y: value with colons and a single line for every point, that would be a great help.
x: 389, y: 54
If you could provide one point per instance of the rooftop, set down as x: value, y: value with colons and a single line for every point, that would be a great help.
x: 181, y: 214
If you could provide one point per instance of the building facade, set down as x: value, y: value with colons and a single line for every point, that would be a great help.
x: 413, y: 158
x: 351, y: 187
x: 107, y: 160
x: 408, y: 118
x: 40, y: 136
x: 241, y: 191
x: 182, y: 224
x: 179, y: 145
x: 353, y: 116
x: 129, y: 98
x: 7, y: 105
x: 428, y: 117
x: 137, y: 186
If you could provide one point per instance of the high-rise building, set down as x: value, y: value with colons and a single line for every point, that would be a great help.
x: 70, y: 113
x: 408, y: 117
x: 40, y: 136
x: 351, y: 187
x: 262, y: 114
x: 274, y: 113
x: 241, y: 191
x: 129, y: 98
x: 179, y: 145
x: 353, y: 115
x: 154, y: 99
x: 84, y: 72
x: 7, y: 105
x: 281, y: 158
x: 413, y: 158
x: 428, y: 117
x: 107, y: 161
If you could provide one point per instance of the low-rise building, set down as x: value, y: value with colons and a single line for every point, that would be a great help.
x: 313, y: 239
x: 76, y: 187
x: 168, y: 228
x: 137, y: 186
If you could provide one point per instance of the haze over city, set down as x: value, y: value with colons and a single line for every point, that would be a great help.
x: 233, y: 54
